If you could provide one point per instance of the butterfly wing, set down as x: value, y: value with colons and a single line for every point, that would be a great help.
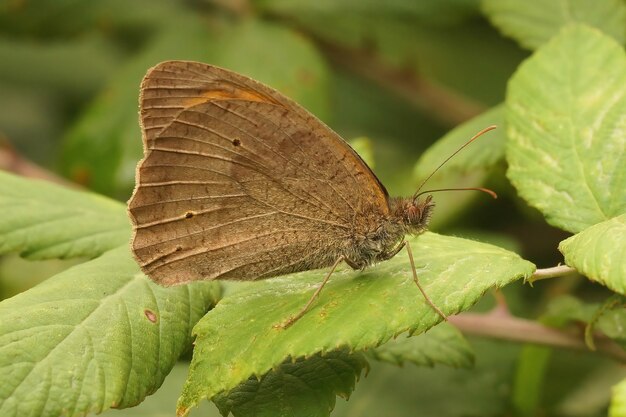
x: 239, y: 182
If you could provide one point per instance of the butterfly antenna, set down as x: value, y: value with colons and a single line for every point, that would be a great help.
x: 484, y: 190
x: 476, y: 136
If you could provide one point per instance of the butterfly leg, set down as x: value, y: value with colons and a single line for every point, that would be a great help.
x: 428, y: 300
x: 291, y: 320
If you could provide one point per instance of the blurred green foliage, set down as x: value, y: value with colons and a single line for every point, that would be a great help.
x: 72, y: 72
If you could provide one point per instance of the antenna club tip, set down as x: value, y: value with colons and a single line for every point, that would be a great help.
x: 485, y: 130
x: 488, y: 191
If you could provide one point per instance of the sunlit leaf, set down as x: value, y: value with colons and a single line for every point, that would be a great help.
x: 599, y: 252
x: 355, y: 310
x: 533, y: 22
x: 566, y: 127
x: 42, y: 220
x: 99, y: 335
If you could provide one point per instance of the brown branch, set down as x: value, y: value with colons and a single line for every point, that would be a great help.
x: 239, y: 8
x: 12, y: 161
x: 506, y: 327
x: 443, y: 104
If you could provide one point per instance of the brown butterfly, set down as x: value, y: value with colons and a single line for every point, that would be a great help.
x: 239, y: 182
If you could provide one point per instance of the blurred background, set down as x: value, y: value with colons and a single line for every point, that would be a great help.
x: 390, y: 76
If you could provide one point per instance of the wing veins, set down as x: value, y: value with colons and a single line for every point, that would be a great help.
x: 201, y: 250
x: 279, y: 184
x: 279, y: 129
x: 210, y: 197
x: 287, y: 160
x: 218, y: 226
x: 270, y: 272
x: 182, y: 182
x: 182, y: 217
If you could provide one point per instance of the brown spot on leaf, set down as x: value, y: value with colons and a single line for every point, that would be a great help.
x: 150, y: 315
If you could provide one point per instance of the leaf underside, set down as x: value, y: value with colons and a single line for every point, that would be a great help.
x: 304, y: 387
x: 443, y: 344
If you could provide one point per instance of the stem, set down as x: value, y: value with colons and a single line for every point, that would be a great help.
x: 555, y: 271
x: 443, y: 104
x: 239, y: 8
x: 12, y: 161
x: 514, y: 329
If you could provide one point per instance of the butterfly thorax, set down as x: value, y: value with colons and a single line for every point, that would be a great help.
x: 378, y: 240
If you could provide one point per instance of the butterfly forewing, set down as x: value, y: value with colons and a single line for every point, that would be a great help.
x: 239, y: 182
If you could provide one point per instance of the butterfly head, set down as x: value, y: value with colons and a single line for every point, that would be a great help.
x: 413, y: 213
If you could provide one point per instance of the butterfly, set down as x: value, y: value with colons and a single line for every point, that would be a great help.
x: 239, y: 182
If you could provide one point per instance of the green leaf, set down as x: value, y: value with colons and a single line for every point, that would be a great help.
x: 618, y: 400
x: 589, y: 394
x: 566, y: 129
x: 443, y: 344
x: 599, y: 253
x: 97, y: 336
x: 567, y: 308
x: 484, y: 390
x: 533, y: 22
x: 608, y: 317
x: 163, y: 402
x: 469, y: 168
x: 42, y: 220
x: 303, y: 387
x: 356, y: 310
